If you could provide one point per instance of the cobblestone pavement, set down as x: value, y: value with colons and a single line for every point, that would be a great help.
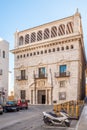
x: 35, y: 122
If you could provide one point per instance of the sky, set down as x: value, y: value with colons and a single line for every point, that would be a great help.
x: 24, y: 14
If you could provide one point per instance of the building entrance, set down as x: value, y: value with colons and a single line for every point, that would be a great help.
x: 43, y: 99
x: 41, y: 96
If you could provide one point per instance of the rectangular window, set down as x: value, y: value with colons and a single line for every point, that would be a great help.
x: 3, y: 54
x: 62, y: 83
x: 62, y: 95
x: 23, y: 94
x: 23, y: 73
x: 63, y: 68
x: 42, y: 72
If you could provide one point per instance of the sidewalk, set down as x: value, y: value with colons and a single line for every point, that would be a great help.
x: 82, y: 123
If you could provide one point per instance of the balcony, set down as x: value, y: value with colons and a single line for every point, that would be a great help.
x: 63, y: 74
x: 21, y: 78
x: 41, y: 76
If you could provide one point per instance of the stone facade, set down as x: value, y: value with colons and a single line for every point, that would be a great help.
x: 86, y: 80
x: 50, y: 62
x: 4, y: 68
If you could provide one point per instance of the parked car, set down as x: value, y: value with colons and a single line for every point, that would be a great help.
x: 1, y: 109
x: 23, y: 104
x: 11, y: 106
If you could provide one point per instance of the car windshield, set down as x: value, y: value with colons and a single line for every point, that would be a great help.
x: 11, y: 102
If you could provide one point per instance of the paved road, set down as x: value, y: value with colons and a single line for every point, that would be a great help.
x: 82, y: 123
x: 30, y: 119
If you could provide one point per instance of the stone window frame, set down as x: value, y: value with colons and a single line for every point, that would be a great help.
x: 72, y: 46
x: 49, y: 32
x: 34, y: 53
x: 17, y: 56
x: 3, y: 54
x: 21, y: 40
x: 27, y: 39
x: 38, y: 52
x: 58, y: 49
x: 53, y: 32
x: 24, y: 55
x: 48, y: 50
x: 67, y: 47
x: 62, y: 95
x: 62, y: 83
x: 27, y: 54
x: 20, y: 56
x: 30, y: 54
x: 39, y: 35
x: 62, y: 48
x: 46, y: 33
x: 33, y: 37
x: 54, y: 50
x: 45, y: 51
x: 41, y: 52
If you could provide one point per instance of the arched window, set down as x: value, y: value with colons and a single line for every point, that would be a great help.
x: 26, y: 38
x: 39, y: 35
x: 69, y: 28
x: 21, y: 39
x: 53, y: 31
x: 46, y: 33
x: 61, y: 30
x: 33, y: 37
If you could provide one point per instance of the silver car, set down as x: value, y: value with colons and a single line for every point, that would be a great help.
x: 1, y: 109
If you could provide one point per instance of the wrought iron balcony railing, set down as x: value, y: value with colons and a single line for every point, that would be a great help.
x: 63, y: 74
x: 21, y: 77
x: 40, y: 76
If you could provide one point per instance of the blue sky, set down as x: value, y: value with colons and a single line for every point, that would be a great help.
x: 24, y: 14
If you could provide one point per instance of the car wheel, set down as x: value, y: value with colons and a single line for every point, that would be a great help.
x: 5, y: 110
x: 17, y: 109
x: 1, y: 113
x: 26, y: 107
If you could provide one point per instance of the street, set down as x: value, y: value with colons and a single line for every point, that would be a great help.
x: 31, y: 119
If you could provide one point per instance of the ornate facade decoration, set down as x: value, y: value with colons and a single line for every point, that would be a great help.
x: 50, y: 62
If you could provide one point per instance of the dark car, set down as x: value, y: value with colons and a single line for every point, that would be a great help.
x: 11, y: 106
x: 23, y: 104
x: 1, y: 109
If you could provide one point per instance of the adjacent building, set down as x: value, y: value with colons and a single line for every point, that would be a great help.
x: 86, y: 81
x: 4, y: 68
x: 49, y: 62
